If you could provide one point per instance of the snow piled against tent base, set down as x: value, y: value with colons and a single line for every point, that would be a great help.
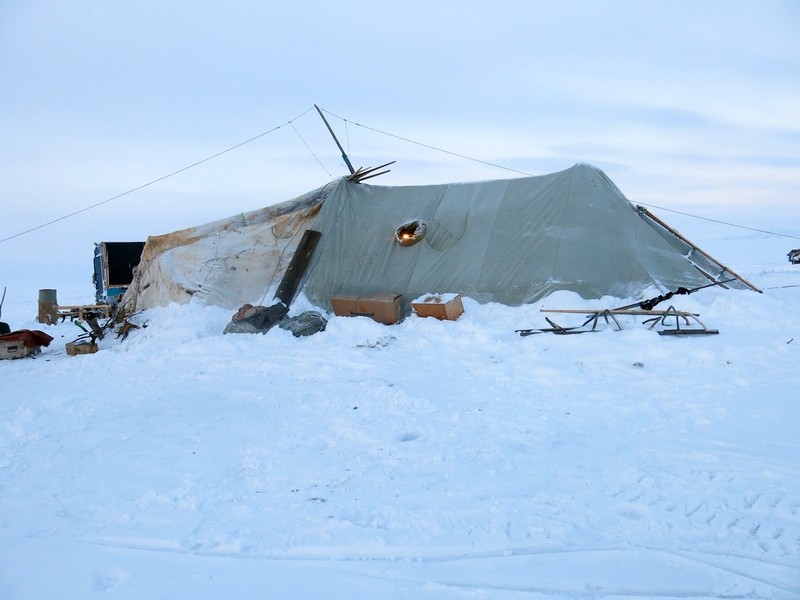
x: 433, y: 459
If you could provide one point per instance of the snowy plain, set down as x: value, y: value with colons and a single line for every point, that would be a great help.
x: 427, y: 459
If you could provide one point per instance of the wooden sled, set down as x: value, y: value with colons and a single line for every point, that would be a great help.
x: 692, y: 324
x: 676, y: 322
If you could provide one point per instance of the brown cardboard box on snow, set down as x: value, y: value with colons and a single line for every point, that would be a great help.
x: 440, y: 306
x: 74, y: 349
x: 383, y: 308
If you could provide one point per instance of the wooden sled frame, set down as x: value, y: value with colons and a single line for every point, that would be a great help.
x: 699, y: 328
x: 83, y: 311
x: 671, y: 319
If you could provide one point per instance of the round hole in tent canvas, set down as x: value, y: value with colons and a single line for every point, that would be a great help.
x: 411, y: 232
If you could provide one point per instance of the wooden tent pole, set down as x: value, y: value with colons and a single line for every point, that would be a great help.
x: 344, y: 155
x: 643, y: 211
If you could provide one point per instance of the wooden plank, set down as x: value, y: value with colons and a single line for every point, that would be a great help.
x: 297, y: 267
x: 95, y: 327
x: 688, y: 332
x: 634, y: 312
x: 361, y: 174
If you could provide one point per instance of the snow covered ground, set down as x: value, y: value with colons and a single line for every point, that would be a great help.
x: 423, y: 460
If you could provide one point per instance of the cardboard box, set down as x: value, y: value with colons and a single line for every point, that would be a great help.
x: 74, y: 349
x: 440, y: 306
x: 383, y: 308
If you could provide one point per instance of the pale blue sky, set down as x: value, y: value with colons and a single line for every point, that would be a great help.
x: 689, y: 105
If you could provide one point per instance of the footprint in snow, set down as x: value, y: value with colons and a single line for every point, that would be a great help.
x: 109, y: 581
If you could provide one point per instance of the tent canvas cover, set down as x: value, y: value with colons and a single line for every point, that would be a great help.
x: 510, y: 241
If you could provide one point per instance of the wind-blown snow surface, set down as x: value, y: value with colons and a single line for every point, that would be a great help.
x: 423, y: 460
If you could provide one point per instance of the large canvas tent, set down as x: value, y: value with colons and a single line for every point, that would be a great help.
x: 510, y: 241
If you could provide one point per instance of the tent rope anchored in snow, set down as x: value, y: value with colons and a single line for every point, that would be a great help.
x: 510, y: 241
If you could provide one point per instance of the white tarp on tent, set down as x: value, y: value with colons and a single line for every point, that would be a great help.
x: 223, y: 263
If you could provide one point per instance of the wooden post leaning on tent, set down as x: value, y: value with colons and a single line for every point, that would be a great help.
x: 297, y: 267
x: 644, y: 213
x: 344, y: 154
